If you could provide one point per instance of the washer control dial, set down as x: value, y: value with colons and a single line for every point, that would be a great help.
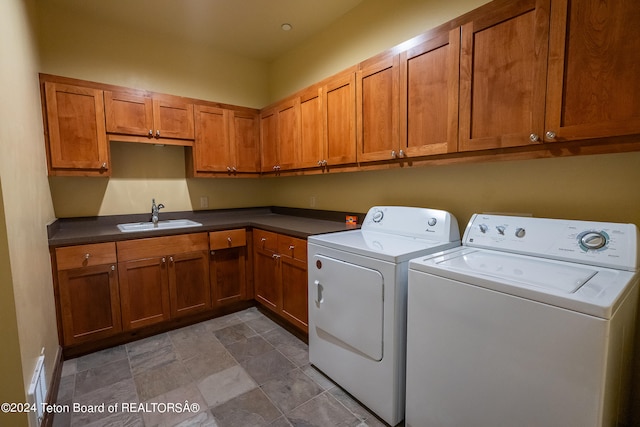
x: 432, y: 222
x: 483, y: 228
x: 593, y: 240
x: 520, y: 232
x: 377, y: 216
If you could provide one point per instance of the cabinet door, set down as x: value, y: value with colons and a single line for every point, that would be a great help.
x: 429, y: 79
x: 593, y: 86
x: 267, y: 286
x: 173, y: 118
x: 245, y: 151
x: 311, y: 129
x: 339, y: 111
x: 503, y: 63
x: 76, y: 132
x: 288, y: 133
x: 228, y: 277
x: 293, y: 266
x: 144, y: 292
x: 378, y: 109
x: 268, y: 141
x: 211, y: 147
x: 189, y: 288
x: 128, y: 114
x: 89, y: 303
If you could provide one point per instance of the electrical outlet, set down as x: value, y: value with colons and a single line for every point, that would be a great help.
x: 204, y: 202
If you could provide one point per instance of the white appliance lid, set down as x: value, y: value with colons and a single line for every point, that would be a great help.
x: 396, y: 233
x: 382, y: 246
x: 592, y: 290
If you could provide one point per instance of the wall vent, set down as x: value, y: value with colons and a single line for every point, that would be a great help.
x: 37, y: 393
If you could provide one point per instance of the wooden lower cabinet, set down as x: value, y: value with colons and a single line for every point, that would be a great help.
x: 227, y: 266
x: 163, y: 278
x: 280, y: 276
x: 88, y: 293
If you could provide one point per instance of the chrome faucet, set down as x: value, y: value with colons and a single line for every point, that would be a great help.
x: 155, y: 211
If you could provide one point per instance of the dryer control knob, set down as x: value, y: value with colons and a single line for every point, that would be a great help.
x: 432, y: 222
x: 501, y: 229
x: 520, y: 232
x: 593, y: 240
x: 483, y: 228
x: 377, y: 216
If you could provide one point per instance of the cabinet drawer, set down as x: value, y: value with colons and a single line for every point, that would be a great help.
x: 292, y: 247
x: 265, y: 240
x: 71, y: 257
x: 160, y: 246
x: 227, y: 239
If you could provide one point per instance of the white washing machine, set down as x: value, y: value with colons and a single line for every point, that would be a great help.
x: 357, y: 300
x: 529, y: 323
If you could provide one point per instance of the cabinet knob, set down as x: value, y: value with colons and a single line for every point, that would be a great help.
x: 164, y: 260
x: 86, y: 256
x: 170, y: 259
x: 264, y: 239
x: 401, y: 154
x: 113, y: 268
x: 150, y: 132
x: 104, y: 165
x: 213, y: 252
x: 229, y: 240
x: 534, y: 137
x: 228, y: 169
x: 291, y: 247
x: 550, y: 134
x: 158, y: 133
x: 233, y: 169
x: 393, y: 154
x: 275, y: 256
x: 319, y: 162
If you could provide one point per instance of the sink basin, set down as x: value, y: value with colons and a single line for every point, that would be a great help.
x: 161, y: 225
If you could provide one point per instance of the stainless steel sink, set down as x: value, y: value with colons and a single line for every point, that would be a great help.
x: 161, y: 225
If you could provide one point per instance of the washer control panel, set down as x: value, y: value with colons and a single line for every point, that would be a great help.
x: 595, y: 243
x: 421, y: 223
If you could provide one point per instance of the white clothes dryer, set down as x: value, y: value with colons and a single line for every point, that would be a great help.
x: 357, y: 300
x: 529, y: 323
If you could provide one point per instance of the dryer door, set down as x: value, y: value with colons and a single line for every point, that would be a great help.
x: 346, y: 302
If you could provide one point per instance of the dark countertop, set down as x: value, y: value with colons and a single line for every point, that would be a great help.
x: 291, y: 221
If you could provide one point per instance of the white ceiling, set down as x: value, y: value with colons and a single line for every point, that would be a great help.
x: 250, y: 28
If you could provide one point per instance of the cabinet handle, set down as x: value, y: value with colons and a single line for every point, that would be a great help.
x: 275, y: 256
x: 550, y: 134
x: 393, y: 154
x: 229, y: 240
x: 150, y: 133
x: 264, y: 239
x: 104, y: 165
x: 401, y: 154
x: 170, y: 259
x: 233, y: 169
x: 320, y: 163
x: 534, y: 137
x: 86, y: 256
x: 291, y: 247
x: 228, y: 169
x: 113, y: 268
x: 164, y: 260
x: 158, y: 133
x: 324, y: 163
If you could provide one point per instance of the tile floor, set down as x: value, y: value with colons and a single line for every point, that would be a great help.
x: 239, y: 370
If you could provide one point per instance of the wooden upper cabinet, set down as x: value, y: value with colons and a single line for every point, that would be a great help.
x: 593, y: 85
x: 429, y: 82
x: 503, y: 64
x: 280, y: 136
x: 161, y: 117
x: 77, y: 141
x: 339, y: 113
x: 226, y: 141
x: 268, y: 140
x: 244, y: 133
x: 311, y: 147
x: 211, y: 149
x: 377, y: 89
x: 288, y: 133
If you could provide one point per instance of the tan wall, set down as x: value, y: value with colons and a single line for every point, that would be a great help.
x: 370, y: 28
x: 26, y: 205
